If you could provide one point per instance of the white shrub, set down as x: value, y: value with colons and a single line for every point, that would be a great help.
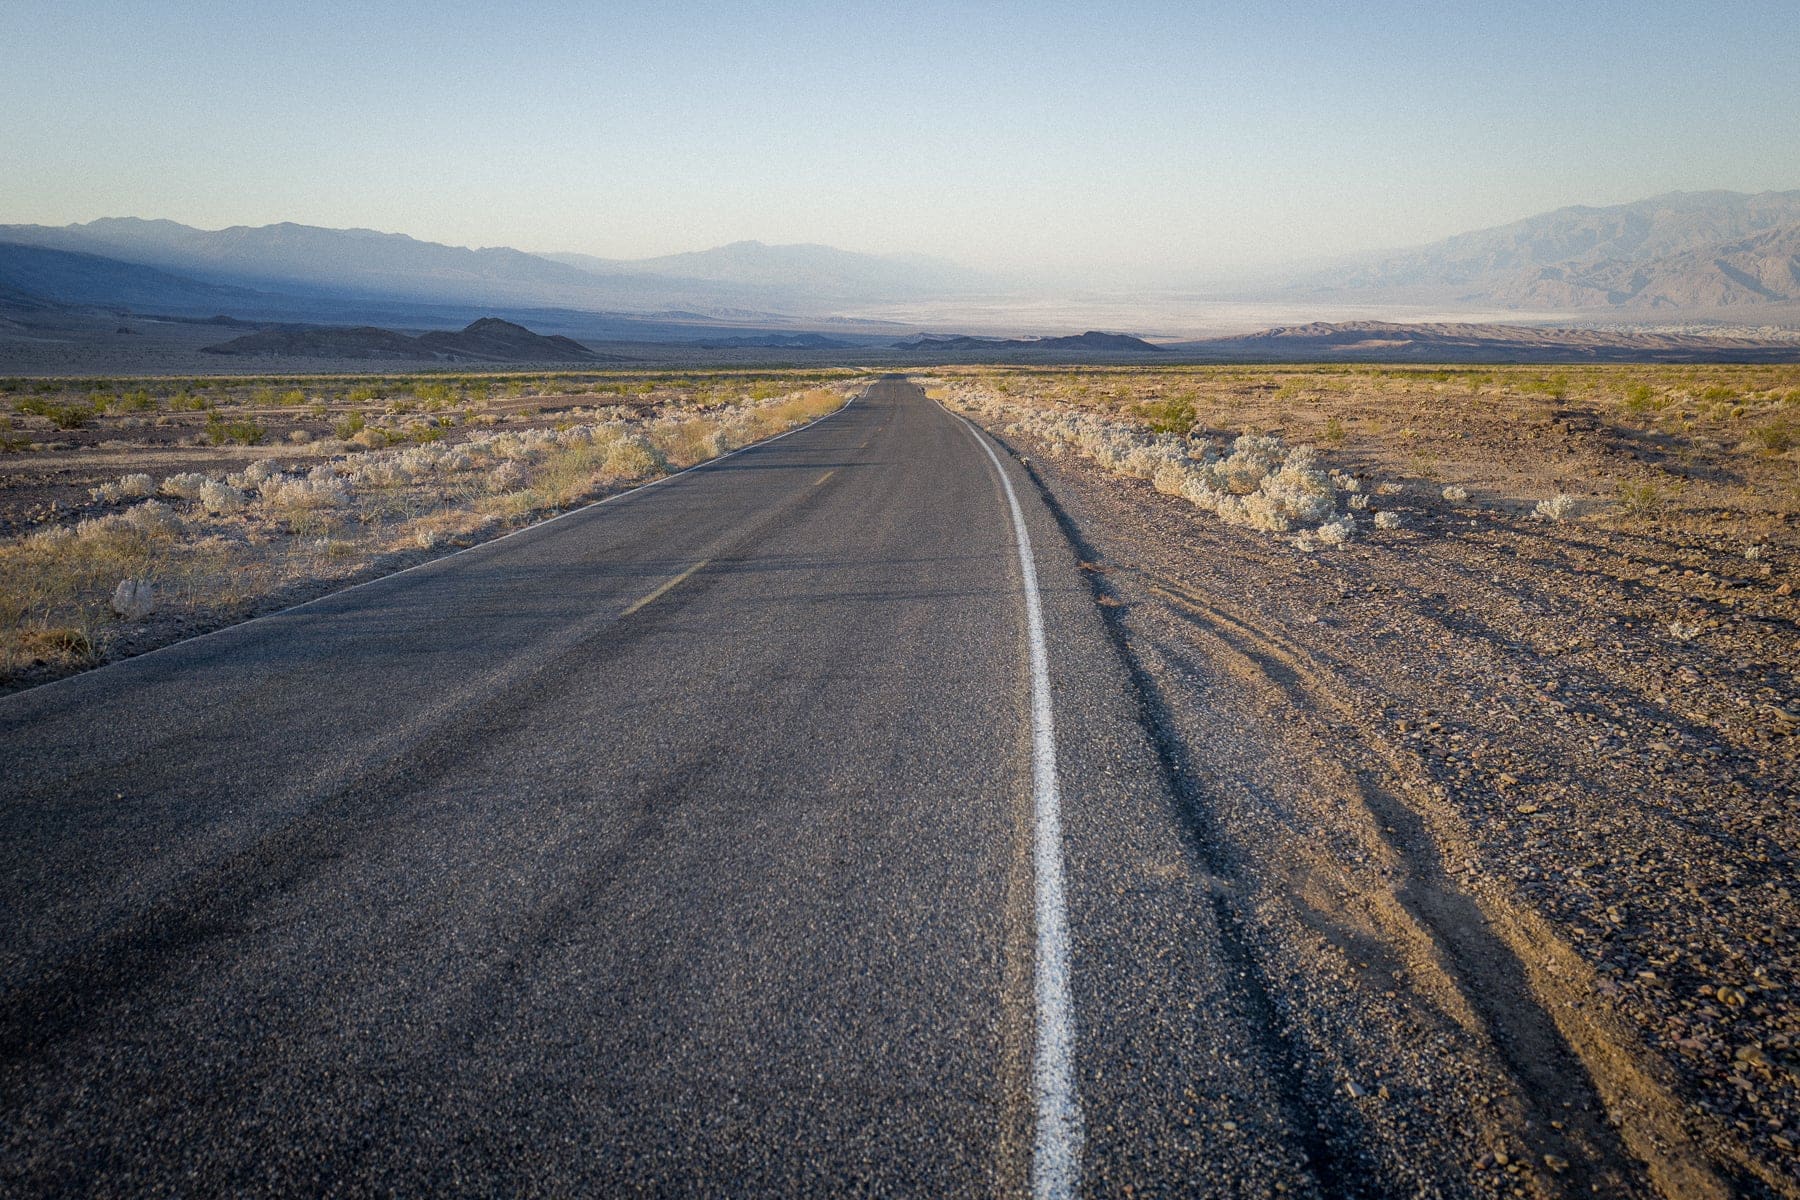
x: 1303, y: 493
x: 1456, y: 495
x: 1170, y: 479
x: 186, y: 486
x: 1242, y: 471
x: 287, y: 493
x: 1263, y: 511
x: 254, y: 476
x: 507, y: 477
x: 374, y: 474
x: 1336, y: 533
x: 1556, y: 508
x: 152, y: 516
x: 107, y: 493
x: 1389, y: 489
x: 1359, y: 503
x: 219, y: 498
x: 1388, y: 520
x: 137, y: 486
x: 632, y: 456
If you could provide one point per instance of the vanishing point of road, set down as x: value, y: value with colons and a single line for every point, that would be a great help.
x: 786, y: 827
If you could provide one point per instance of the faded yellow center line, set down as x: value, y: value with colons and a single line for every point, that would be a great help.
x: 824, y: 477
x: 664, y: 588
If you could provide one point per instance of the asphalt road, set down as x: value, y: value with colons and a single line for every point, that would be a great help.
x: 680, y: 845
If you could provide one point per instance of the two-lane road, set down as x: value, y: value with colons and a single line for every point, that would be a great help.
x: 684, y: 844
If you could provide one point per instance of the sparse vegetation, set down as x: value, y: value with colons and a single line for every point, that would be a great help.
x: 1659, y: 446
x: 211, y: 541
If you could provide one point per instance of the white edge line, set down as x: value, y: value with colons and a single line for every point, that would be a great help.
x: 40, y: 689
x: 1056, y: 1145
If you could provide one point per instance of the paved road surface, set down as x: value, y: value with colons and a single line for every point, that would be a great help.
x: 680, y: 845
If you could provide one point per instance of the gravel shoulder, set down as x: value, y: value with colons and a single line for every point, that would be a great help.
x: 1512, y: 862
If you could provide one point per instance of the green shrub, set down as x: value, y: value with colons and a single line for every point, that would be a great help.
x: 1777, y: 437
x: 244, y: 433
x: 1641, y: 398
x: 1174, y: 415
x: 1554, y: 386
x: 1641, y: 497
x: 63, y: 416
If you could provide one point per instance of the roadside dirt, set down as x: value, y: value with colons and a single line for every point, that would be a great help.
x: 1513, y: 863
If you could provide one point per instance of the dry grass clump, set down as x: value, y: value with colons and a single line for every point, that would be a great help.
x: 56, y: 584
x: 214, y: 544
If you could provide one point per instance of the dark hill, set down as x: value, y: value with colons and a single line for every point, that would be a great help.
x: 1093, y: 339
x: 502, y: 341
x: 487, y: 340
x: 1090, y: 342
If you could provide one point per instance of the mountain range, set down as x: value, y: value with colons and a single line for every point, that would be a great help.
x: 1685, y: 251
x: 274, y: 270
x: 1686, y: 254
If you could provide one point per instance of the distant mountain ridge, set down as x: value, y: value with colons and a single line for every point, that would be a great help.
x: 40, y: 277
x: 291, y: 256
x: 288, y: 258
x: 1683, y: 250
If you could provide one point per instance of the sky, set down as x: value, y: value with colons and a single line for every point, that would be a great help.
x: 1082, y: 143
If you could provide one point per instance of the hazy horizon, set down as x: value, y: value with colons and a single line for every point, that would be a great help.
x: 1168, y: 144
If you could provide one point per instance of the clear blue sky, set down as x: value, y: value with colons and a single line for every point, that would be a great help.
x: 1146, y: 140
